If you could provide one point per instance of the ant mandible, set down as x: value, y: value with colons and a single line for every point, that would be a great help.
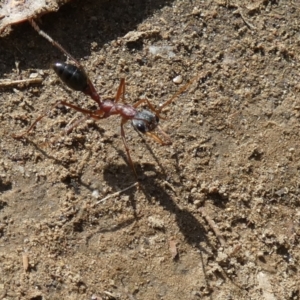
x: 75, y: 77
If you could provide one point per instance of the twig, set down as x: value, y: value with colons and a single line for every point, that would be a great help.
x: 239, y: 11
x: 8, y: 83
x: 25, y: 260
x: 110, y: 294
x: 213, y: 225
x: 117, y: 193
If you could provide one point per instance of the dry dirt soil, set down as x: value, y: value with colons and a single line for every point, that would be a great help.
x: 217, y: 214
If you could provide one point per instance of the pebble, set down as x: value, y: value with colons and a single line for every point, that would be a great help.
x: 177, y: 79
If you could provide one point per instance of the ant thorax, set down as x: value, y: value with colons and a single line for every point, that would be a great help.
x: 145, y: 121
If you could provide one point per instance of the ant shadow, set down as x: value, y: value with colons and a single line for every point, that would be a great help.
x: 193, y: 231
x: 189, y: 225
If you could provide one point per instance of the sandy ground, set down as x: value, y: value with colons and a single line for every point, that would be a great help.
x: 217, y: 215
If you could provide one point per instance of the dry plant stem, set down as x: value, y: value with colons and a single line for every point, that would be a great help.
x: 110, y: 294
x: 8, y: 83
x: 212, y: 225
x: 54, y: 43
x: 117, y: 193
x: 25, y: 260
x: 239, y: 11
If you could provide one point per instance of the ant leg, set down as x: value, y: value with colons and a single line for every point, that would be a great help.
x: 155, y: 137
x: 140, y: 102
x: 180, y: 91
x: 92, y: 114
x: 19, y: 136
x: 121, y: 91
x: 158, y: 111
x: 158, y: 139
x: 127, y: 149
x: 97, y: 114
x: 54, y: 43
x: 69, y: 128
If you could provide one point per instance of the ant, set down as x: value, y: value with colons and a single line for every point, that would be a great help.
x: 75, y: 77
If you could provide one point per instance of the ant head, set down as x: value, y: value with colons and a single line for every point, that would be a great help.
x: 145, y: 121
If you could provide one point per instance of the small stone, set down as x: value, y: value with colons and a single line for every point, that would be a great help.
x: 177, y: 79
x: 95, y: 194
x: 33, y: 75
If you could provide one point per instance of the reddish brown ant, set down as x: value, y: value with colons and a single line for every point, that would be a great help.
x: 75, y: 77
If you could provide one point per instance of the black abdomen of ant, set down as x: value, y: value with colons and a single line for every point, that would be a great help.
x: 75, y: 78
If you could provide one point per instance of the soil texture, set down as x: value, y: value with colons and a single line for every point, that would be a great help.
x: 217, y: 213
